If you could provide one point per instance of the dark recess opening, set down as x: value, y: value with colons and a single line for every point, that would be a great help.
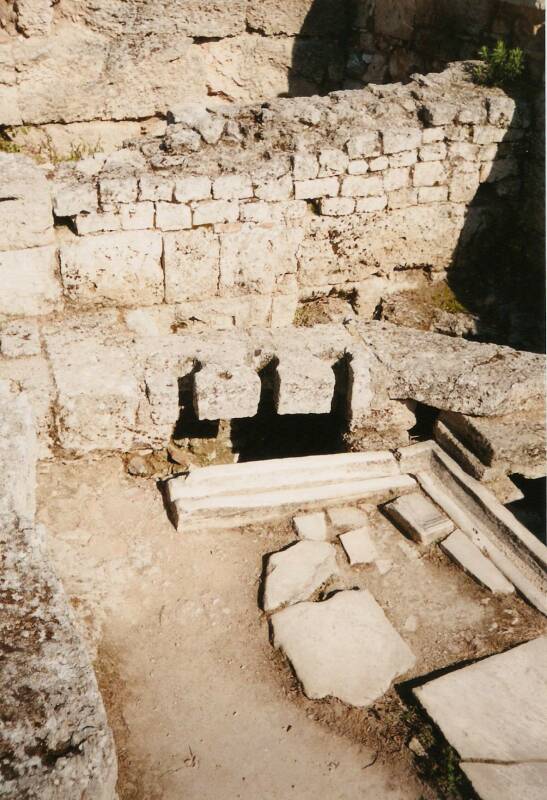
x: 531, y: 510
x: 272, y: 435
x: 426, y: 416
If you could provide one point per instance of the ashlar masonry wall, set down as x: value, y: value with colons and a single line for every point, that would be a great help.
x: 233, y: 217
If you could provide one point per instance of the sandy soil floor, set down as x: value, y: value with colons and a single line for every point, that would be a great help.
x: 200, y: 703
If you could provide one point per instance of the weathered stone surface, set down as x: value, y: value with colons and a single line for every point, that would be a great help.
x: 20, y: 338
x: 416, y: 515
x: 26, y: 218
x: 462, y: 704
x: 191, y: 262
x: 54, y: 733
x: 507, y: 781
x: 226, y: 390
x: 303, y: 386
x: 251, y: 260
x: 347, y: 517
x: 359, y: 547
x: 311, y: 526
x: 342, y: 647
x: 469, y: 377
x: 294, y: 574
x: 116, y: 269
x: 29, y: 281
x: 462, y: 550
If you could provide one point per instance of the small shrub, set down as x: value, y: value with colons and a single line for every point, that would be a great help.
x: 501, y: 66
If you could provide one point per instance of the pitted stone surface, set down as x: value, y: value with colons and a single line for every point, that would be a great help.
x: 311, y: 526
x: 294, y: 574
x: 226, y: 391
x: 343, y: 647
x: 491, y: 710
x: 303, y: 385
x: 359, y: 547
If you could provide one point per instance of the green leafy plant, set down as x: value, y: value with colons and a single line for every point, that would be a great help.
x: 501, y: 66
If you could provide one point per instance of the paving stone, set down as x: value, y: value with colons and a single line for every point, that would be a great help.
x: 508, y: 781
x: 493, y: 710
x: 347, y: 517
x: 294, y: 574
x: 416, y: 515
x: 311, y: 526
x: 460, y: 548
x: 359, y: 547
x: 343, y: 647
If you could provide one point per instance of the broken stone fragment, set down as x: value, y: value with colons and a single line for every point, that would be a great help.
x: 223, y: 391
x: 359, y: 547
x: 343, y: 647
x: 294, y: 574
x: 311, y: 526
x: 462, y: 550
x: 418, y: 517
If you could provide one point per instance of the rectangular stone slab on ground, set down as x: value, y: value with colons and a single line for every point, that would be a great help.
x: 494, y: 710
x: 416, y: 515
x: 462, y: 550
x: 508, y: 781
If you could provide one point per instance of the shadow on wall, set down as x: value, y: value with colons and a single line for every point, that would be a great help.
x: 321, y: 48
x: 498, y: 272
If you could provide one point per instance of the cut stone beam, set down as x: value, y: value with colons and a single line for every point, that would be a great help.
x: 416, y: 515
x: 493, y: 710
x: 303, y: 385
x: 469, y: 557
x: 226, y: 392
x: 343, y: 647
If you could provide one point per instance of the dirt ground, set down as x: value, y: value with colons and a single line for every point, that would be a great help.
x: 200, y: 703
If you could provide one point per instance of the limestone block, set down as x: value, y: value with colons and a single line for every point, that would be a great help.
x: 365, y: 145
x: 313, y: 189
x: 507, y: 781
x: 488, y: 134
x: 438, y: 113
x: 192, y: 264
x: 416, y: 515
x: 395, y: 141
x: 71, y: 197
x: 304, y: 385
x: 26, y: 219
x: 337, y: 206
x: 226, y: 391
x: 283, y: 310
x: 173, y: 216
x: 366, y: 205
x: 395, y: 18
x: 359, y: 547
x: 29, y: 281
x: 156, y: 187
x: 215, y: 211
x: 501, y: 110
x: 251, y: 259
x: 461, y: 703
x: 118, y: 189
x: 430, y: 135
x: 20, y: 338
x: 432, y: 152
x: 118, y: 269
x: 332, y: 162
x: 343, y: 647
x: 360, y: 166
x: 31, y: 375
x: 404, y: 159
x: 232, y: 187
x: 376, y: 164
x: 356, y: 186
x: 463, y: 187
x: 294, y: 574
x: 492, y: 171
x: 274, y: 190
x: 193, y: 188
x: 97, y: 222
x: 396, y: 178
x: 34, y: 17
x: 305, y: 166
x: 257, y: 211
x: 195, y: 116
x: 430, y: 173
x: 465, y: 150
x: 136, y: 216
x: 432, y: 194
x: 98, y: 395
x: 462, y: 550
x: 311, y: 526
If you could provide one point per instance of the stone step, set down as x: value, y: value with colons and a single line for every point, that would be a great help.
x: 282, y: 472
x: 221, y: 510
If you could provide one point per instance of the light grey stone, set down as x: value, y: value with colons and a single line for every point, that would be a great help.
x: 303, y: 385
x: 192, y: 265
x: 20, y: 338
x: 462, y: 550
x: 417, y: 516
x: 507, y: 781
x: 26, y: 218
x: 30, y: 285
x: 311, y: 526
x: 173, y: 216
x: 343, y: 647
x: 359, y: 547
x: 491, y: 710
x: 226, y: 391
x: 344, y: 518
x: 294, y: 574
